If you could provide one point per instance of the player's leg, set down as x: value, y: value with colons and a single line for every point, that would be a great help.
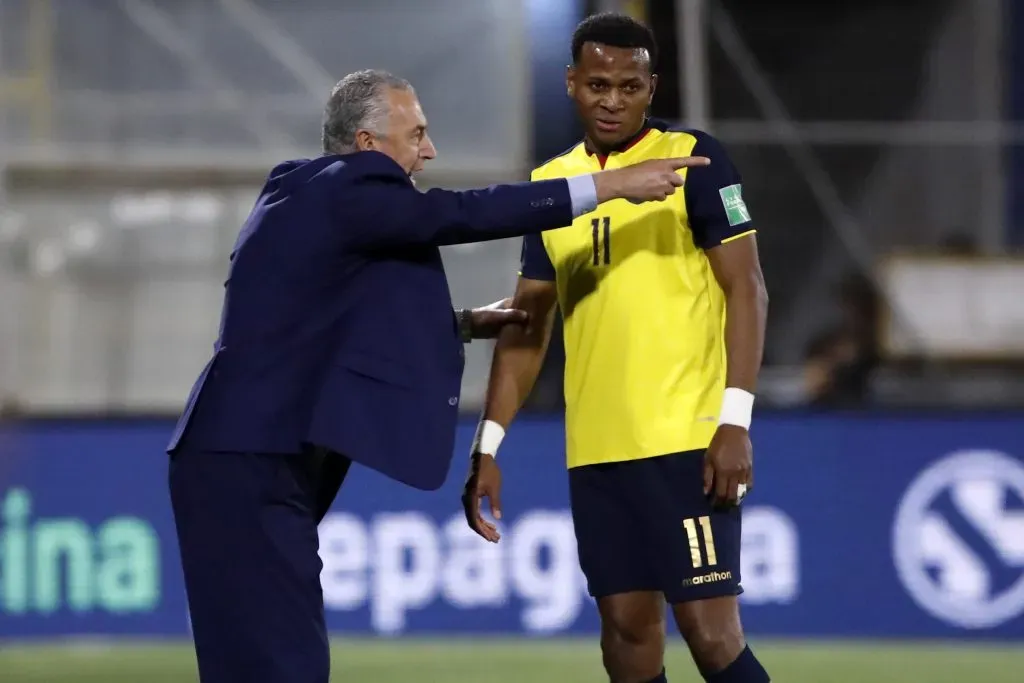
x: 248, y: 541
x: 702, y: 571
x: 633, y: 636
x: 611, y: 555
x: 713, y: 632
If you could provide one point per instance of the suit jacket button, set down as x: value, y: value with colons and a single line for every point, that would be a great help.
x: 453, y: 400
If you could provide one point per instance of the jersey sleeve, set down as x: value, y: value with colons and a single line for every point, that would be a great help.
x: 534, y: 262
x: 714, y: 196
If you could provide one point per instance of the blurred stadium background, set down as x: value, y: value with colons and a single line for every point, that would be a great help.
x: 882, y: 145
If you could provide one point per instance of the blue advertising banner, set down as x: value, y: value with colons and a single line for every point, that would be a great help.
x: 860, y: 526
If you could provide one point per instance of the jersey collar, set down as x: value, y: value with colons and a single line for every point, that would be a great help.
x: 626, y: 145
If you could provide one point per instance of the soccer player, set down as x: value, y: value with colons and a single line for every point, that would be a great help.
x: 664, y: 312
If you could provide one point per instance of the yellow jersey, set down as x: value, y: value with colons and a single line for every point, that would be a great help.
x: 644, y: 316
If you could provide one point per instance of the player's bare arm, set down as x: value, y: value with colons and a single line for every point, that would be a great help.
x: 519, y: 351
x: 518, y: 356
x: 737, y: 269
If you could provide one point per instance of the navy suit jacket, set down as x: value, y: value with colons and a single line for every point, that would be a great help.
x: 337, y: 328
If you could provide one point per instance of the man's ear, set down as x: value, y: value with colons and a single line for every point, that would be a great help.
x: 366, y: 141
x: 570, y: 82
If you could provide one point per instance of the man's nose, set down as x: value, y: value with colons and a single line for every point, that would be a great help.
x: 427, y: 149
x: 612, y: 101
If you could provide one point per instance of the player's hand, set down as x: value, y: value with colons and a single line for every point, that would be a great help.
x: 728, y: 466
x: 651, y: 180
x: 483, y: 481
x: 488, y: 321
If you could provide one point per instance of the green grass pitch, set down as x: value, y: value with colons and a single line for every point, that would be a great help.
x: 515, y: 661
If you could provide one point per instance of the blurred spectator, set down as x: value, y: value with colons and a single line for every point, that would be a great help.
x: 840, y: 360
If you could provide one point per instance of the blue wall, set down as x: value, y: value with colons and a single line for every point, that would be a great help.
x: 867, y: 526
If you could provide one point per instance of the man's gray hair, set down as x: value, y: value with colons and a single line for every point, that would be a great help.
x: 358, y: 101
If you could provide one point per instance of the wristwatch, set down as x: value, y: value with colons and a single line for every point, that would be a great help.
x: 465, y: 317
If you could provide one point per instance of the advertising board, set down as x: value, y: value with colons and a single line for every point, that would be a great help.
x: 859, y: 526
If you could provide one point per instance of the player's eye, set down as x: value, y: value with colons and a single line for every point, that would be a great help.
x: 598, y: 87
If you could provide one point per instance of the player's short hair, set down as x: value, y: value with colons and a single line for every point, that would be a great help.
x: 616, y: 30
x: 357, y: 102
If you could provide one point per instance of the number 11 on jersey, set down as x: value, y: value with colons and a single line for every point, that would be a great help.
x: 597, y: 225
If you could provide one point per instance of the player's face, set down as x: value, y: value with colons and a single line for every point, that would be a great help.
x: 406, y: 139
x: 612, y: 87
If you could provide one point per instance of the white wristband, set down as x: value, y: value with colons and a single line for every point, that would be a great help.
x: 488, y: 437
x: 737, y: 408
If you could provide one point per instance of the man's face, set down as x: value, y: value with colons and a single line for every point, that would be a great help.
x: 612, y: 87
x: 405, y: 138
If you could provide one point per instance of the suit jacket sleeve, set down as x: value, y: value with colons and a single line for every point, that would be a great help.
x: 380, y: 207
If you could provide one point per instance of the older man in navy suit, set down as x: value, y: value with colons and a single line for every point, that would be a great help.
x: 338, y: 343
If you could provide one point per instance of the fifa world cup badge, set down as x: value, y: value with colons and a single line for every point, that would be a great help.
x: 735, y: 207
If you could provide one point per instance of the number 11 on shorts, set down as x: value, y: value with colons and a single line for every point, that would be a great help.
x: 694, y: 538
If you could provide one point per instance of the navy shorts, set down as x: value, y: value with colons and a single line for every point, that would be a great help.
x: 646, y: 525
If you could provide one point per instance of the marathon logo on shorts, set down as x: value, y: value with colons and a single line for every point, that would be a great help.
x: 713, y: 577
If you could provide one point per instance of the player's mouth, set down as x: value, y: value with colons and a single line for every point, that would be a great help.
x: 608, y: 126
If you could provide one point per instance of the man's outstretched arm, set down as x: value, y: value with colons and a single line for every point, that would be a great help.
x: 381, y: 208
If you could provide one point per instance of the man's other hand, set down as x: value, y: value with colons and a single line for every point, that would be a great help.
x: 728, y: 466
x: 651, y: 180
x: 489, y: 321
x: 483, y: 481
